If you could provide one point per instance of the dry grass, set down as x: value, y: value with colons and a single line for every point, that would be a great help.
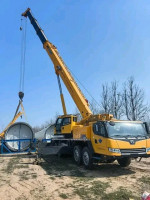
x: 59, y: 178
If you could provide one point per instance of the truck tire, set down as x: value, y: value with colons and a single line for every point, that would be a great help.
x: 124, y: 162
x: 77, y: 154
x: 87, y: 158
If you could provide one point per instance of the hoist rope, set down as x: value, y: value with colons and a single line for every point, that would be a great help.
x: 23, y: 28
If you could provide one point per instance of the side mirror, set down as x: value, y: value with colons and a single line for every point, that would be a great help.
x: 147, y: 128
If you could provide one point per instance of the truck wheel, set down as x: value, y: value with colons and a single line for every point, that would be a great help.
x: 77, y: 154
x: 124, y: 162
x: 87, y: 158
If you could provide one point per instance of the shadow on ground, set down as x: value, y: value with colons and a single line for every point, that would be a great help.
x: 65, y: 166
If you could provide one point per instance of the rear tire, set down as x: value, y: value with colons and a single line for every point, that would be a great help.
x: 124, y: 162
x: 77, y: 154
x: 87, y: 158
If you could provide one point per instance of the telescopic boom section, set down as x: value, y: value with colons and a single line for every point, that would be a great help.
x: 60, y: 68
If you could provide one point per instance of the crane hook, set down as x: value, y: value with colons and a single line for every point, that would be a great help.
x: 21, y: 95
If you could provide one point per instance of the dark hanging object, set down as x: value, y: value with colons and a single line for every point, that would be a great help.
x: 21, y: 95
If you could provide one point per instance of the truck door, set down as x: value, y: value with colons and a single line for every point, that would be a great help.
x: 66, y: 125
x: 99, y: 138
x: 58, y: 125
x: 63, y: 125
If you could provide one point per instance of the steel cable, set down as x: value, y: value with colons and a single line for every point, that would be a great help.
x: 23, y: 28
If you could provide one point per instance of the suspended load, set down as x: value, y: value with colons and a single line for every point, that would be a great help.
x: 40, y: 134
x: 46, y: 133
x: 49, y: 133
x: 19, y: 131
x: 16, y: 116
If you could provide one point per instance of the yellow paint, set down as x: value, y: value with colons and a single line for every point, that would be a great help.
x: 61, y: 69
x: 14, y: 119
x: 63, y: 104
x: 82, y: 132
x: 67, y: 129
x: 83, y: 129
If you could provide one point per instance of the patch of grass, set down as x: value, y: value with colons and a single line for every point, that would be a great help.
x: 52, y: 177
x: 21, y: 198
x: 11, y: 165
x: 24, y: 175
x: 82, y: 179
x: 98, y: 187
x: 133, y: 176
x: 120, y: 194
x: 38, y: 194
x: 87, y: 189
x: 90, y: 190
x: 34, y: 175
x: 56, y: 165
x: 145, y: 180
x: 14, y: 164
x: 83, y: 193
x: 21, y: 166
x: 23, y: 178
x: 63, y: 196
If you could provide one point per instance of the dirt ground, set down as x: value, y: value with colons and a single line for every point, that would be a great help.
x: 59, y: 178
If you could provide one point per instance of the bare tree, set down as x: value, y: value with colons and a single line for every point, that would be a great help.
x: 45, y: 124
x: 115, y: 100
x: 94, y: 107
x: 111, y: 99
x: 133, y: 101
x: 105, y: 98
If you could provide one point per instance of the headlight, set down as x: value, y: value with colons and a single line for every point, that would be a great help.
x: 148, y: 150
x: 114, y: 150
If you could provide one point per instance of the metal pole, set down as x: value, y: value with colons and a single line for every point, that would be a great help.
x: 61, y: 96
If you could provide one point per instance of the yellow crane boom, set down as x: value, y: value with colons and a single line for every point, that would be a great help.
x: 99, y: 138
x: 16, y: 116
x: 61, y: 70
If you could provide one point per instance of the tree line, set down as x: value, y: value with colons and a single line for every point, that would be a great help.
x: 127, y: 102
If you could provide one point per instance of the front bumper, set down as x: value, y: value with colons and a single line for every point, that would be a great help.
x: 142, y: 155
x: 132, y: 152
x: 141, y: 152
x: 115, y: 157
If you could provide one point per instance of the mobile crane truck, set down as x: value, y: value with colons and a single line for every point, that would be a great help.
x: 96, y: 137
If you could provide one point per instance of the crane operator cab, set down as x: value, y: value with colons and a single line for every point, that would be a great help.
x: 64, y: 125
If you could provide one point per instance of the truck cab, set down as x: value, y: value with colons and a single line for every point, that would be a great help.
x: 64, y: 125
x: 120, y: 138
x: 113, y: 140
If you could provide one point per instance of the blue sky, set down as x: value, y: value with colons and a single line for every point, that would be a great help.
x: 100, y: 41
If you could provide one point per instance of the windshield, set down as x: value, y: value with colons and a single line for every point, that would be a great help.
x: 125, y: 129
